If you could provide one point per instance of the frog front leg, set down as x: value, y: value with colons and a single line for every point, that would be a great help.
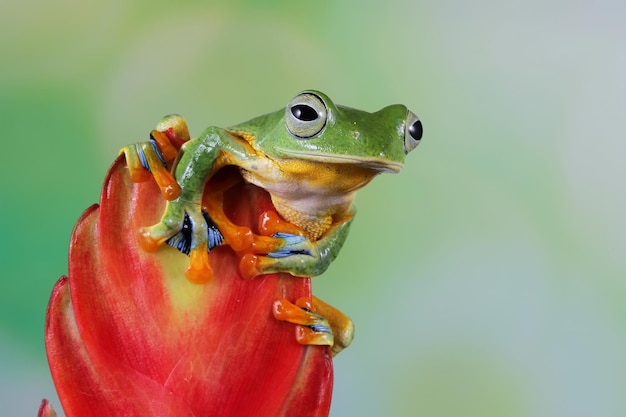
x: 199, y: 159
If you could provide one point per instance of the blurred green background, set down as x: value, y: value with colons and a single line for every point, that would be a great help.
x: 486, y: 279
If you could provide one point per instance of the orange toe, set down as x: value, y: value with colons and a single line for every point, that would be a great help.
x: 270, y: 223
x: 307, y: 336
x: 199, y: 270
x: 249, y: 266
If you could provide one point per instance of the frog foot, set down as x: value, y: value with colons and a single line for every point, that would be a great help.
x: 312, y: 329
x: 265, y: 254
x: 155, y: 157
x: 189, y: 230
x: 281, y: 252
x: 272, y: 250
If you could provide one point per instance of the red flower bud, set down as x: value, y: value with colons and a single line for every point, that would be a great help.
x: 128, y: 335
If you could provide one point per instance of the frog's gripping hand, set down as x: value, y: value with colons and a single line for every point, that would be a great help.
x: 318, y: 323
x: 154, y: 158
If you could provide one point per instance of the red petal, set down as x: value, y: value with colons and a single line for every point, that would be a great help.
x: 128, y: 335
x: 46, y: 410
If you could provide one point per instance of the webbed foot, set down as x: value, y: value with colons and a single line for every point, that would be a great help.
x: 318, y: 322
x: 281, y: 247
x: 281, y: 252
x: 312, y: 329
x: 155, y: 157
x: 188, y: 229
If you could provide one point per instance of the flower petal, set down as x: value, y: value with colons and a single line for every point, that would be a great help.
x: 127, y: 334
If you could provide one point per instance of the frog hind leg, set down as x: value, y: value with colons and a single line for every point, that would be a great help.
x: 318, y: 323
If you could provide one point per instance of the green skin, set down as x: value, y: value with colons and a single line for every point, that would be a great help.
x: 287, y: 153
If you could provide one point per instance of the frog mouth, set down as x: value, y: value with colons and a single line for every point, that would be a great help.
x: 376, y: 164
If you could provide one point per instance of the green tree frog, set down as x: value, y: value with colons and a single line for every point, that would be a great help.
x: 311, y: 157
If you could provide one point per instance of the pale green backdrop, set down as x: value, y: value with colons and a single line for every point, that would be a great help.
x: 487, y: 279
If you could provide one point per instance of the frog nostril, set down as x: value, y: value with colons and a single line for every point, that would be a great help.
x: 415, y: 130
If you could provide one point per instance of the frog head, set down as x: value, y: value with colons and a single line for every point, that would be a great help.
x: 313, y: 128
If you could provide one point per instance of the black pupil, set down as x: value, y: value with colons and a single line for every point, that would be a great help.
x: 415, y: 130
x: 304, y: 112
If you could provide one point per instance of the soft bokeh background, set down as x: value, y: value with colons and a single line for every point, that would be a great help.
x: 487, y: 279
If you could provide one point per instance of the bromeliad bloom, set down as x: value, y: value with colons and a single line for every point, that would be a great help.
x: 202, y: 305
x: 127, y: 334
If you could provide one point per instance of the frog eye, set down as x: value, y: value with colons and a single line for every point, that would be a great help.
x: 305, y: 116
x: 412, y: 132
